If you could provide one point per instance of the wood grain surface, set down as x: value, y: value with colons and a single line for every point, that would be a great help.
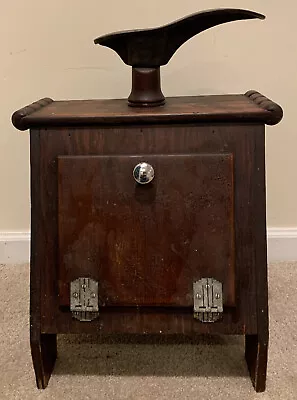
x: 238, y: 140
x: 196, y: 109
x: 146, y: 244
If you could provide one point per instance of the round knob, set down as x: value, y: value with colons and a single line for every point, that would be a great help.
x: 143, y: 173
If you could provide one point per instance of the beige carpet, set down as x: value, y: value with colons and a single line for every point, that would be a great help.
x: 212, y: 369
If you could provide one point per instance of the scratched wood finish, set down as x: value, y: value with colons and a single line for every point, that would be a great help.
x: 152, y: 320
x: 245, y: 142
x: 43, y: 345
x: 221, y: 127
x: 233, y: 108
x: 256, y: 350
x: 146, y: 244
x: 238, y: 140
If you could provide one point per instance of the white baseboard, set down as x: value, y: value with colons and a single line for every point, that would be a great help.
x: 282, y: 246
x: 14, y: 247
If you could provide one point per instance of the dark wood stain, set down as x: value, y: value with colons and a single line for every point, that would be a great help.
x: 209, y: 153
x: 43, y: 345
x: 151, y: 48
x: 231, y: 139
x: 152, y: 320
x: 252, y: 107
x: 147, y: 50
x: 146, y: 244
x: 238, y: 140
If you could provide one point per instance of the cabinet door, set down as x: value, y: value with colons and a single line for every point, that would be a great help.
x: 146, y: 244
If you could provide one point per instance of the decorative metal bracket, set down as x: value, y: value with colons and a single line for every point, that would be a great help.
x: 84, y: 299
x: 208, y: 300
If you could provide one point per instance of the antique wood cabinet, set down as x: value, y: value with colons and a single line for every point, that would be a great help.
x: 184, y: 253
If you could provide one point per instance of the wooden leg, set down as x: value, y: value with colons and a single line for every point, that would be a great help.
x: 44, y: 354
x: 256, y: 352
x: 256, y: 346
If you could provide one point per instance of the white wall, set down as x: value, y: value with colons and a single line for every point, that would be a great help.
x: 47, y: 50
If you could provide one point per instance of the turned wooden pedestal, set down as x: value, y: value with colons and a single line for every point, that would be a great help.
x: 202, y: 216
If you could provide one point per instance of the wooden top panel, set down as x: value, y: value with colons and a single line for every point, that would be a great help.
x: 249, y: 107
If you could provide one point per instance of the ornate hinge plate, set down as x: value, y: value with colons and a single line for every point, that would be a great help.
x: 208, y: 300
x: 84, y: 299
